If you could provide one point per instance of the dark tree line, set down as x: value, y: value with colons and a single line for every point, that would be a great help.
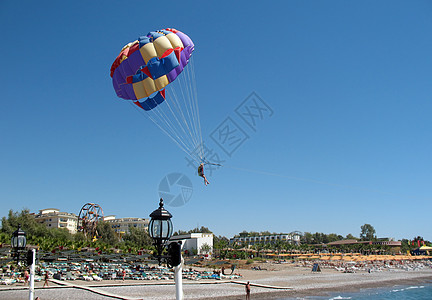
x: 50, y: 239
x: 138, y: 238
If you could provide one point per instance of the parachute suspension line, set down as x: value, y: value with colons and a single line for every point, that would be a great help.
x: 178, y: 115
x: 167, y: 126
x: 181, y: 100
x: 168, y: 131
x: 166, y: 122
x: 177, y: 101
x: 170, y: 126
x: 171, y: 134
x: 186, y: 101
x: 194, y: 105
x: 175, y: 116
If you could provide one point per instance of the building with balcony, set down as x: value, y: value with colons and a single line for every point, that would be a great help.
x: 54, y: 218
x: 121, y: 225
x: 292, y: 238
x: 393, y: 246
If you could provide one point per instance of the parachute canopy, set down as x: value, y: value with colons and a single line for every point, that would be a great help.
x: 145, y: 67
x: 149, y: 64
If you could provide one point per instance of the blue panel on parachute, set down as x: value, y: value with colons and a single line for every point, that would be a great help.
x: 151, y: 103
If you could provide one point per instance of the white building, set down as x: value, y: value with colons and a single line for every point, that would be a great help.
x: 121, y: 225
x: 53, y: 218
x: 194, y: 242
x: 292, y: 238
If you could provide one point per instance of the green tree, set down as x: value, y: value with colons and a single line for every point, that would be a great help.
x: 205, y: 248
x: 350, y: 237
x: 139, y: 237
x: 200, y: 230
x: 220, y: 242
x: 367, y: 233
x: 333, y: 237
x: 180, y: 232
x: 106, y: 233
x: 244, y: 233
x: 307, y: 238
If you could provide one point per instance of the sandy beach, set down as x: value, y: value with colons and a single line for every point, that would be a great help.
x: 275, y: 281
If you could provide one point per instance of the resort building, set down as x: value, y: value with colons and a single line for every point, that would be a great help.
x: 53, y: 218
x: 199, y: 243
x: 121, y: 225
x: 394, y: 246
x: 292, y: 238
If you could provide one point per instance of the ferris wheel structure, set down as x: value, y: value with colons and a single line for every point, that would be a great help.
x: 89, y: 216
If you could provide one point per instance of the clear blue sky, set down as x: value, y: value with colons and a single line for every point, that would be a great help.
x: 349, y: 141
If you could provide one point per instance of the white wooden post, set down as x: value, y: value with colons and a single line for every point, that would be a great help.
x: 178, y: 278
x: 32, y: 275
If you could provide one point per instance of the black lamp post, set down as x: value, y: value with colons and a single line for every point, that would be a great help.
x: 160, y: 229
x: 18, y: 242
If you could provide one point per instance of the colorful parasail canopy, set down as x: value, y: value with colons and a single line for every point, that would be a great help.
x: 147, y: 65
x: 156, y: 72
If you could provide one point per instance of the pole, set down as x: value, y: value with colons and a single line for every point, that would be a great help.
x: 32, y: 275
x: 178, y: 280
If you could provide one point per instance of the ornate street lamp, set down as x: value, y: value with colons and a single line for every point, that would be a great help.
x: 160, y: 229
x: 18, y: 242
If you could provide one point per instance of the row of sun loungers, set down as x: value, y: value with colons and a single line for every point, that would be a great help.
x: 113, y: 271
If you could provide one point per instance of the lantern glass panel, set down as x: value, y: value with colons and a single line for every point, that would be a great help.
x: 160, y: 229
x: 18, y: 239
x: 21, y: 241
x: 155, y: 227
x: 168, y: 229
x: 14, y: 242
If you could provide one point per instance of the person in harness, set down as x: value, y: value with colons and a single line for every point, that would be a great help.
x: 201, y: 173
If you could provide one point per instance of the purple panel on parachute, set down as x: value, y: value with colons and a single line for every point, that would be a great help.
x: 130, y: 66
x: 127, y: 68
x: 185, y: 40
x: 122, y: 89
x: 184, y: 57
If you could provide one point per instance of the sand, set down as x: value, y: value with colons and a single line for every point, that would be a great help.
x: 278, y: 281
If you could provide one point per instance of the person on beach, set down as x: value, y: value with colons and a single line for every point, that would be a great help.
x: 201, y: 173
x: 46, y: 279
x: 248, y: 289
x: 26, y: 277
